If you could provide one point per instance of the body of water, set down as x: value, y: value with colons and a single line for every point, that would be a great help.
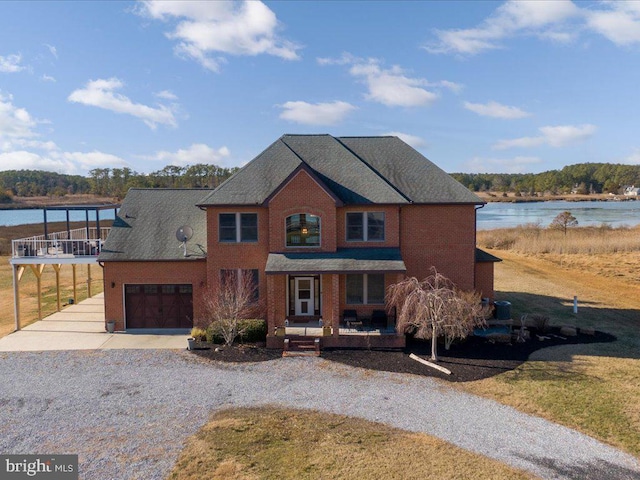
x: 492, y: 215
x: 26, y: 216
x: 504, y: 215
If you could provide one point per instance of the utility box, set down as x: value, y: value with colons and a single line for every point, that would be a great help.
x: 503, y: 310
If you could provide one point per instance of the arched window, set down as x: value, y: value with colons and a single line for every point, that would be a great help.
x: 303, y: 230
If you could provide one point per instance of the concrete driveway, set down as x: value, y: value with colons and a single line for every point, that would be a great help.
x: 81, y: 327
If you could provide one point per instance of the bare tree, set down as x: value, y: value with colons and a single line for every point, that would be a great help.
x: 235, y: 299
x: 563, y: 221
x: 435, y: 307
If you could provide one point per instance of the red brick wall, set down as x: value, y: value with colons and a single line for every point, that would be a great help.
x: 121, y: 273
x: 484, y: 279
x: 302, y: 195
x: 243, y: 255
x: 442, y: 236
x: 391, y: 225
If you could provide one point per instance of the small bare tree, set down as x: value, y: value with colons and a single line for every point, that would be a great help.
x: 235, y: 299
x: 563, y: 221
x: 435, y: 307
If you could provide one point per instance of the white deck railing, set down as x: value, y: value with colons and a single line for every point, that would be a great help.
x: 74, y: 243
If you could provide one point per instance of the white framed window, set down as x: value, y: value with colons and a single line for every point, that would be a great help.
x: 365, y: 226
x: 365, y: 289
x: 238, y: 227
x: 302, y: 230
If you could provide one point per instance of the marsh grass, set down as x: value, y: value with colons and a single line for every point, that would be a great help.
x: 273, y: 443
x: 534, y: 239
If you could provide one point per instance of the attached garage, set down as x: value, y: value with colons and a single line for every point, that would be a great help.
x: 159, y: 306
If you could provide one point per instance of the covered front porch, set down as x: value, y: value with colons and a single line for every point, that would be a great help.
x: 337, y: 297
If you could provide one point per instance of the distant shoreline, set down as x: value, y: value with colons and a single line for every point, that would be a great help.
x: 38, y: 203
x: 497, y: 197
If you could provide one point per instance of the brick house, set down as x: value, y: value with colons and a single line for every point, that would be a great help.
x: 324, y: 224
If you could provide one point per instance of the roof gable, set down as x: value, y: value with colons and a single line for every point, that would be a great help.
x: 357, y: 170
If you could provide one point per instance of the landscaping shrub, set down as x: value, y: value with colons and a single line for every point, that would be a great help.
x: 199, y: 334
x: 253, y: 330
x: 250, y: 331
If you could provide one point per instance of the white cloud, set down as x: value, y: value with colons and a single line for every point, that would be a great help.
x: 543, y: 18
x: 166, y: 95
x: 11, y: 63
x: 556, y: 20
x: 554, y: 136
x: 316, y: 113
x: 619, y: 22
x: 392, y: 87
x: 22, y: 148
x: 48, y: 78
x: 24, y: 160
x: 233, y: 28
x: 496, y: 110
x: 196, y: 153
x: 413, y: 140
x: 502, y: 165
x: 101, y: 93
x: 53, y: 50
x: 14, y: 122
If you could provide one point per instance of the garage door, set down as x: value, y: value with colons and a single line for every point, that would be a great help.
x: 159, y: 306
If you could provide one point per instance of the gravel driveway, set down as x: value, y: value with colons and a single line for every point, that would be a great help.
x: 128, y: 412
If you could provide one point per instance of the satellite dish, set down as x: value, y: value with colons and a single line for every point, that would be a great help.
x: 184, y: 233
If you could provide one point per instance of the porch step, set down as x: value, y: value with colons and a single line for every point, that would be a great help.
x: 301, y: 347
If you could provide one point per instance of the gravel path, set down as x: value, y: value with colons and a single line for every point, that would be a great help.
x: 128, y: 412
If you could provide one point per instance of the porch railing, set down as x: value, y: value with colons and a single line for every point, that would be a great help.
x: 74, y: 243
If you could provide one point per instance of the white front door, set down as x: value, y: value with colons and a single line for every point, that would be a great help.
x: 304, y: 296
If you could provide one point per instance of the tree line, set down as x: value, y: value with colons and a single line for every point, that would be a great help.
x: 583, y: 178
x: 108, y: 182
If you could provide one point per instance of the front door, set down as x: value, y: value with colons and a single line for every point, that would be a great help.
x: 304, y: 296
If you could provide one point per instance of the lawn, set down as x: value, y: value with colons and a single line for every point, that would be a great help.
x: 272, y: 443
x: 594, y: 388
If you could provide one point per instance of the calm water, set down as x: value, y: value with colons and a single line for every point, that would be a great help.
x: 21, y: 217
x: 493, y: 215
x: 500, y: 215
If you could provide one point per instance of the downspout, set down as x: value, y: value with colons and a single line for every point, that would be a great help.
x: 475, y: 240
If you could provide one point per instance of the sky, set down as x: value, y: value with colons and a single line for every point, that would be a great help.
x: 500, y: 87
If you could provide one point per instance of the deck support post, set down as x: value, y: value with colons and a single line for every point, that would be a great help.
x: 75, y: 288
x: 37, y: 271
x: 88, y: 280
x: 18, y: 270
x: 56, y: 267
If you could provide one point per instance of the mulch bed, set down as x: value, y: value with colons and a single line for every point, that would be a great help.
x: 474, y: 359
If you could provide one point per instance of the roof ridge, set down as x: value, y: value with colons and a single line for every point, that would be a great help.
x: 384, y: 179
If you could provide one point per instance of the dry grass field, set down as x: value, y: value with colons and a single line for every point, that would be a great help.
x: 271, y: 443
x: 594, y: 388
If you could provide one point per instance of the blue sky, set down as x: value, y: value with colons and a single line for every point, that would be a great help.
x: 474, y: 86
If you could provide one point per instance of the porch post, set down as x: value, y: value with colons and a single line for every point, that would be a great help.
x: 18, y: 270
x: 335, y: 304
x: 271, y: 310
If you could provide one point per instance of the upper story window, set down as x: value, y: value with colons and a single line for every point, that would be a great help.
x: 238, y: 227
x: 365, y: 227
x: 303, y: 230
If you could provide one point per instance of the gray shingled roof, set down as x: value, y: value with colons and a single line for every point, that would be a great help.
x: 146, y: 225
x: 344, y: 260
x: 357, y: 170
x: 482, y: 256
